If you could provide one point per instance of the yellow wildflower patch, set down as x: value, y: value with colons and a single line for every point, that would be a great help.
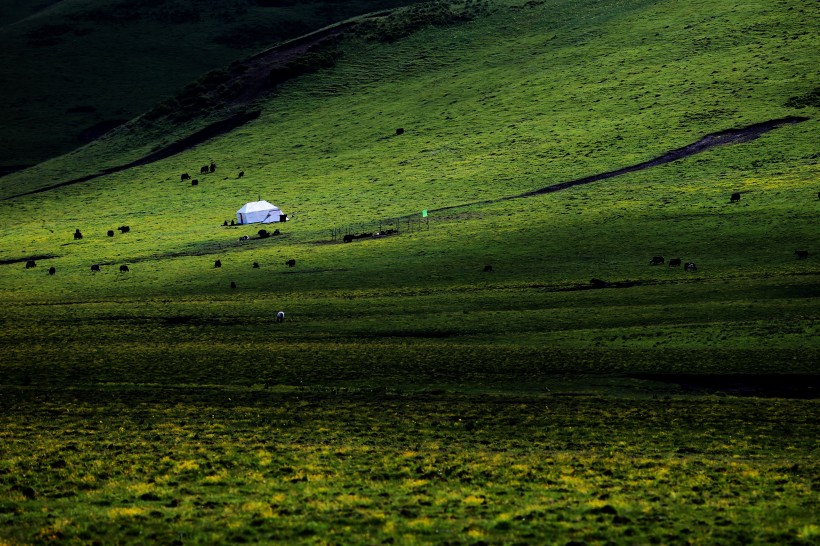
x: 809, y: 532
x: 420, y: 523
x: 258, y: 507
x: 140, y: 488
x: 126, y: 512
x: 185, y: 465
x: 472, y: 500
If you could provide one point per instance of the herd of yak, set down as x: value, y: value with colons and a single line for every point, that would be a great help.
x: 656, y: 260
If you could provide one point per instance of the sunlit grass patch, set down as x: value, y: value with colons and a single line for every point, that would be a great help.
x: 410, y: 394
x: 126, y: 512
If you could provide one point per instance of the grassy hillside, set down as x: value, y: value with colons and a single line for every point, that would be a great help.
x: 409, y: 396
x: 71, y: 70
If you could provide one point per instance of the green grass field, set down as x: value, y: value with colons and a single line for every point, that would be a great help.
x: 410, y: 397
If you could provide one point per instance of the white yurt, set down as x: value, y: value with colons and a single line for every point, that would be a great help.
x: 259, y: 212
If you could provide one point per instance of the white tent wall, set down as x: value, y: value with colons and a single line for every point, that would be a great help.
x: 259, y: 212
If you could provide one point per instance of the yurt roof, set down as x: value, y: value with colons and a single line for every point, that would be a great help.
x: 257, y: 206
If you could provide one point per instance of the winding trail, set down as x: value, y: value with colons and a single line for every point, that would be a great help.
x: 721, y: 138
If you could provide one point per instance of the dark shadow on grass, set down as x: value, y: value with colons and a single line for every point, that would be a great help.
x: 802, y: 386
x: 24, y: 260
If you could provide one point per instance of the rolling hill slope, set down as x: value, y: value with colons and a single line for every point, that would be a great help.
x: 70, y: 70
x: 569, y: 393
x: 499, y: 102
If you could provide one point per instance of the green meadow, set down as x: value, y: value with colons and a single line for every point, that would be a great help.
x: 410, y: 396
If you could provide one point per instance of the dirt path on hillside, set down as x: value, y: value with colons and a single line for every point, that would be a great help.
x: 721, y: 138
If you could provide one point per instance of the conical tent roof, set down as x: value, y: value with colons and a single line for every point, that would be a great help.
x: 257, y: 206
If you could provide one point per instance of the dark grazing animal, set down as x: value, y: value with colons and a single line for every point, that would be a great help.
x: 690, y: 266
x: 212, y: 166
x: 185, y: 176
x: 52, y: 270
x: 77, y: 235
x: 352, y: 237
x: 241, y: 174
x: 30, y: 264
x: 124, y: 269
x: 801, y: 254
x: 280, y: 316
x: 244, y: 238
x: 400, y: 131
x: 656, y: 260
x: 263, y: 234
x: 291, y: 263
x: 233, y: 284
x: 110, y: 232
x: 674, y: 262
x: 735, y: 197
x: 598, y: 283
x: 256, y: 265
x: 218, y: 263
x: 124, y: 229
x: 95, y: 268
x: 203, y: 169
x: 195, y: 182
x: 488, y: 268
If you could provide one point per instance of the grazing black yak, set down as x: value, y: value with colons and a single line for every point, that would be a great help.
x: 124, y: 269
x: 801, y: 254
x: 656, y: 260
x: 735, y: 197
x: 674, y: 262
x: 95, y: 268
x: 291, y: 263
